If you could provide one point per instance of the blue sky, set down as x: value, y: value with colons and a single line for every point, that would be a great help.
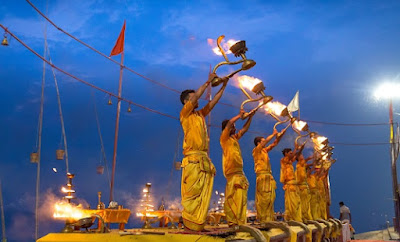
x: 334, y: 52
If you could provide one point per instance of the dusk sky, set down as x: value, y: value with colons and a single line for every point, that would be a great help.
x: 336, y: 53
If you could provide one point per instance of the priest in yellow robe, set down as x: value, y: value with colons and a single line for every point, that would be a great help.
x: 197, y: 169
x: 288, y: 178
x: 265, y: 182
x: 304, y: 190
x: 232, y: 163
x: 312, y: 175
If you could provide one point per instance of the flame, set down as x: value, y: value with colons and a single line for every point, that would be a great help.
x: 276, y: 108
x: 224, y: 44
x: 67, y: 210
x: 248, y: 82
x: 320, y: 142
x: 65, y: 190
x: 55, y: 169
x: 145, y: 214
x: 299, y: 125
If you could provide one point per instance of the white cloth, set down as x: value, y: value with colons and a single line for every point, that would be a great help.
x: 346, y: 234
x: 294, y: 104
x: 345, y: 212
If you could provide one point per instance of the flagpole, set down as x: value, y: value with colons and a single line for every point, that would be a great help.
x: 116, y: 128
x: 117, y: 118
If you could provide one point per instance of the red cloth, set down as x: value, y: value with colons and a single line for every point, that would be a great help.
x: 119, y: 45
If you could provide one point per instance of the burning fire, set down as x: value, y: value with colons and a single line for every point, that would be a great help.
x: 276, y: 108
x: 68, y: 210
x: 324, y: 155
x: 147, y: 214
x: 320, y: 142
x: 299, y: 125
x: 65, y: 190
x: 224, y: 44
x: 147, y: 208
x: 248, y: 82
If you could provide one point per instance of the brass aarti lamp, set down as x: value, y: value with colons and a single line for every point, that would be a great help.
x: 299, y: 126
x: 238, y: 49
x: 256, y: 86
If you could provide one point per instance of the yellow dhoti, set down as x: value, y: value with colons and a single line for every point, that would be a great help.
x: 322, y: 206
x: 315, y: 204
x: 292, y: 202
x: 236, y: 198
x: 265, y: 197
x: 305, y: 199
x: 322, y: 199
x: 196, y: 188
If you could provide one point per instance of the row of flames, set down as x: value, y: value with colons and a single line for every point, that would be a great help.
x: 275, y: 108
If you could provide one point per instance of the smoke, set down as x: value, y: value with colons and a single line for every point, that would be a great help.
x: 130, y: 200
x: 22, y: 219
x: 174, y: 204
x: 251, y: 205
x: 48, y: 201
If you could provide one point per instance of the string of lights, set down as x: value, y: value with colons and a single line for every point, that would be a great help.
x: 127, y: 100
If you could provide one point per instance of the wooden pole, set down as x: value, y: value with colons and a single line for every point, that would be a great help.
x: 116, y: 128
x: 393, y: 162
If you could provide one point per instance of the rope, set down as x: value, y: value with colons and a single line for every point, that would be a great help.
x: 101, y: 137
x: 40, y: 133
x: 129, y: 101
x: 173, y: 164
x: 109, y: 58
x: 163, y: 85
x: 60, y: 113
x: 85, y: 82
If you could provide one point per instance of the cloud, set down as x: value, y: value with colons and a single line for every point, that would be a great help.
x: 221, y: 18
x: 76, y: 20
x: 190, y: 44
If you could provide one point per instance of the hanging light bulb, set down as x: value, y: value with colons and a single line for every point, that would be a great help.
x: 109, y: 101
x: 129, y: 108
x: 5, y: 40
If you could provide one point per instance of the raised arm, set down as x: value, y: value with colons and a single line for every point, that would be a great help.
x: 233, y: 120
x: 268, y: 139
x: 309, y: 158
x: 210, y: 105
x: 277, y: 139
x: 246, y: 126
x: 199, y: 92
x: 297, y: 153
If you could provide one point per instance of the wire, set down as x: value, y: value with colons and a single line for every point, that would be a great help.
x: 60, y: 112
x: 161, y: 84
x: 85, y: 82
x: 100, y: 137
x: 136, y: 104
x: 359, y: 144
x: 109, y: 58
x: 345, y: 124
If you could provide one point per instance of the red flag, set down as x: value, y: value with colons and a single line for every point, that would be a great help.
x: 119, y: 45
